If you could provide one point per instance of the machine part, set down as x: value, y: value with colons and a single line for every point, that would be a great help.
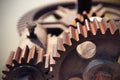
x: 105, y: 35
x: 72, y: 63
x: 102, y: 70
x: 27, y: 64
x: 57, y: 17
x: 50, y: 17
x: 32, y: 36
x: 86, y: 49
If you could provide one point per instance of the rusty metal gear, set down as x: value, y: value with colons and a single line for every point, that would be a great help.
x: 61, y: 14
x: 85, y: 52
x: 100, y: 49
x: 26, y: 64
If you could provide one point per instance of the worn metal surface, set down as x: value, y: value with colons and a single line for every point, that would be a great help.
x: 105, y: 35
x: 82, y: 50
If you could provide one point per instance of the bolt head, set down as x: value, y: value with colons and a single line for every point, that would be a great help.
x: 86, y: 49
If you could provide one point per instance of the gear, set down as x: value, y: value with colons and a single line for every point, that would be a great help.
x: 95, y: 43
x: 26, y: 64
x: 58, y: 16
x: 83, y: 53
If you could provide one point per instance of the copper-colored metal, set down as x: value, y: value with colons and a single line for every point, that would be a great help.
x: 66, y: 39
x: 17, y: 54
x: 71, y: 65
x: 60, y: 44
x: 52, y: 48
x: 27, y: 59
x: 73, y: 33
x: 39, y: 58
x: 31, y: 54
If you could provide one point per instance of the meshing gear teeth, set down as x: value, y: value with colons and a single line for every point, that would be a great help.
x: 102, y: 40
x: 28, y: 63
x: 63, y: 14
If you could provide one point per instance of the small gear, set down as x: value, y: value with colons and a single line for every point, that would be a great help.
x: 25, y: 64
x: 96, y: 43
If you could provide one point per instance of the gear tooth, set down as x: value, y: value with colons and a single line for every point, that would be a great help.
x: 17, y: 54
x: 112, y: 26
x: 78, y: 27
x: 103, y: 26
x: 74, y: 34
x: 52, y: 61
x: 94, y: 26
x: 87, y: 24
x: 26, y: 52
x: 84, y: 31
x: 48, y: 60
x: 66, y: 39
x: 50, y: 57
x: 24, y: 55
x: 31, y: 54
x: 40, y: 55
x: 52, y: 48
x: 35, y: 57
x: 60, y: 44
x: 55, y: 54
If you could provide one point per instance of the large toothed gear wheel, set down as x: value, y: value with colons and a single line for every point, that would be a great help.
x: 26, y: 64
x: 88, y: 52
x: 56, y: 18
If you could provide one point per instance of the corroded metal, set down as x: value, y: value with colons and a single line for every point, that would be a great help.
x: 83, y: 48
x: 105, y: 38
